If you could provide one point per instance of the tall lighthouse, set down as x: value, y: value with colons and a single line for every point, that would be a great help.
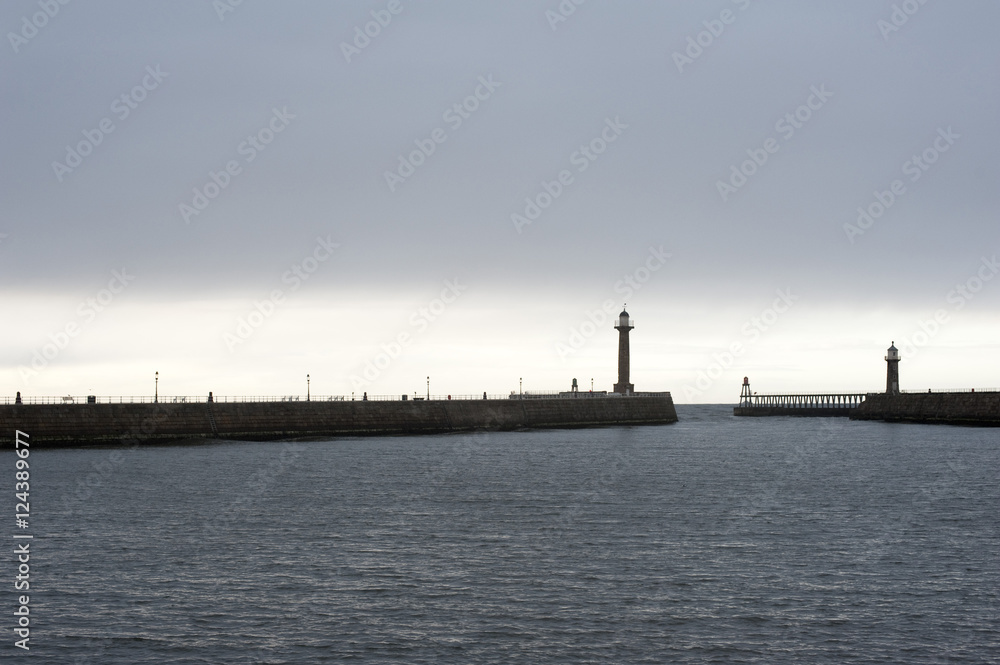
x: 892, y: 370
x: 624, y: 325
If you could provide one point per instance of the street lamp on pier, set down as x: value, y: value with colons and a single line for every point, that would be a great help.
x: 307, y: 387
x: 156, y: 391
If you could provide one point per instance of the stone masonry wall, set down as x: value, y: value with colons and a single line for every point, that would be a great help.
x: 952, y: 408
x: 125, y: 424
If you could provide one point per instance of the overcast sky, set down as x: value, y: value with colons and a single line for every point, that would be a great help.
x: 237, y: 197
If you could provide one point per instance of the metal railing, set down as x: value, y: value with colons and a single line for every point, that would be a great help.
x: 224, y: 399
x: 952, y: 390
x: 882, y: 392
x: 804, y: 401
x: 816, y: 392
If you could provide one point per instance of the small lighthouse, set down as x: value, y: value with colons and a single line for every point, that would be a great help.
x: 624, y: 325
x: 892, y: 370
x: 746, y: 399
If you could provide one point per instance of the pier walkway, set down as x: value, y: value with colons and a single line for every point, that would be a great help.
x: 818, y: 404
x: 831, y: 404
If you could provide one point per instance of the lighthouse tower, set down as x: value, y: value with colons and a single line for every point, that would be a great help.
x: 746, y: 398
x: 624, y: 325
x: 892, y: 370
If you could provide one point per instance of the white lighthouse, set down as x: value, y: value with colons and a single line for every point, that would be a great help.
x: 624, y: 326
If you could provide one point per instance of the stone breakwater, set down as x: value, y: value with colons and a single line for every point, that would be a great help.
x: 132, y: 424
x: 979, y: 408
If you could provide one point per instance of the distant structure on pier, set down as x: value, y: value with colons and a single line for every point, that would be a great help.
x: 623, y: 327
x: 814, y: 404
x: 892, y: 370
x: 972, y: 407
x: 746, y: 398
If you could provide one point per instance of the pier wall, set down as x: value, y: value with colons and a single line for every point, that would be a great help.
x: 127, y: 424
x: 805, y: 411
x: 979, y: 408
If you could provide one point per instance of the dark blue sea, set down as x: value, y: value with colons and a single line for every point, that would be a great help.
x: 713, y: 540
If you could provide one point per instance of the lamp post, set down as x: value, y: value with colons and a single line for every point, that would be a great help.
x: 591, y: 384
x: 307, y: 387
x: 428, y: 388
x: 156, y: 391
x: 520, y: 387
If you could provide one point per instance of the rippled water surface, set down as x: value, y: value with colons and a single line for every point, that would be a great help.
x: 714, y: 540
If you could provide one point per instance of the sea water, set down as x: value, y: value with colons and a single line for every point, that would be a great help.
x: 713, y: 540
